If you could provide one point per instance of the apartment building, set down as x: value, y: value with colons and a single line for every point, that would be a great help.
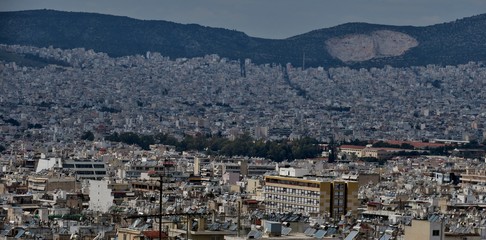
x: 368, y: 151
x: 83, y: 168
x: 135, y: 168
x: 309, y: 195
x: 432, y: 228
x: 86, y: 168
x: 51, y: 183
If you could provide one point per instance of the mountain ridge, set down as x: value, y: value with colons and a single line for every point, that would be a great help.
x: 450, y: 43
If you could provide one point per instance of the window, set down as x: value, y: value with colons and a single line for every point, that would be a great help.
x: 84, y: 165
x: 435, y: 232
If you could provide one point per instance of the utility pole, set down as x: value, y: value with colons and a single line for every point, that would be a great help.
x: 239, y: 221
x: 161, y: 175
x: 160, y: 205
x: 187, y: 228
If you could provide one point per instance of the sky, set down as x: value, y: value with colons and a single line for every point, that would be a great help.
x: 274, y: 19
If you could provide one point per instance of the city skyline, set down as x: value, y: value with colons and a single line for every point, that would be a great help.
x: 355, y: 132
x: 288, y: 18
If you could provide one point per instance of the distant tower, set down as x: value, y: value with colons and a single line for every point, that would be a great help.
x: 242, y: 69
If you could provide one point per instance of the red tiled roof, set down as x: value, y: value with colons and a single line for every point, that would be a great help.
x: 352, y: 147
x: 417, y: 144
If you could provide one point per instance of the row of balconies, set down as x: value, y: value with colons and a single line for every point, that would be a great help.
x: 292, y: 191
x: 309, y: 204
x: 293, y: 195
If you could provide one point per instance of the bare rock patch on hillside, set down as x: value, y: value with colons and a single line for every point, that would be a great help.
x: 362, y: 47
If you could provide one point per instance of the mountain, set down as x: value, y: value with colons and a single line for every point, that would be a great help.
x: 351, y: 44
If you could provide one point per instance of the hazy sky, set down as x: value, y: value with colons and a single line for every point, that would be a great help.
x: 270, y: 18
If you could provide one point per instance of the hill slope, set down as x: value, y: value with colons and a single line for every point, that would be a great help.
x: 451, y: 43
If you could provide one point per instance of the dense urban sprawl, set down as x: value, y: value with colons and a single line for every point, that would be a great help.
x: 213, y: 95
x: 59, y: 182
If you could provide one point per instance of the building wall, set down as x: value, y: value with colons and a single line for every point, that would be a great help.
x: 75, y: 202
x: 15, y: 214
x: 129, y: 234
x: 325, y: 198
x: 47, y: 164
x: 366, y: 152
x: 100, y: 198
x: 259, y: 170
x: 86, y: 169
x: 333, y: 198
x: 252, y: 185
x: 235, y: 188
x: 352, y: 151
x: 352, y: 201
x: 364, y: 179
x: 230, y: 178
x: 244, y: 167
x: 293, y: 172
x: 338, y: 201
x: 207, y: 237
x: 66, y: 184
x: 463, y: 237
x: 197, y: 166
x: 232, y: 168
x: 423, y: 229
x: 120, y: 186
x: 2, y: 189
x: 418, y: 230
x: 292, y: 194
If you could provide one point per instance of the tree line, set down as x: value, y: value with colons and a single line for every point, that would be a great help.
x: 243, y: 145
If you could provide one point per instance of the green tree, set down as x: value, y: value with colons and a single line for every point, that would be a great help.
x: 145, y: 141
x: 472, y: 144
x: 114, y: 137
x: 243, y: 145
x: 166, y: 139
x: 407, y: 146
x: 385, y: 145
x: 358, y: 142
x: 259, y: 149
x: 88, y: 135
x: 129, y: 138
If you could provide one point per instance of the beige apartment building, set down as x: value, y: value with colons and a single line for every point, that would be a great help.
x: 310, y: 196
